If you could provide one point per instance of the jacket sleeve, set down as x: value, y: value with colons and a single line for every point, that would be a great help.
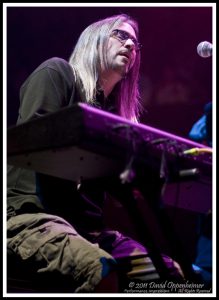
x: 50, y: 87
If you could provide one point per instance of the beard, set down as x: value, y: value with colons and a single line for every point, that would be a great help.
x: 121, y: 70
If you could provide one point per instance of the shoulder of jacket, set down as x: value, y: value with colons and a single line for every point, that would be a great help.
x: 56, y: 63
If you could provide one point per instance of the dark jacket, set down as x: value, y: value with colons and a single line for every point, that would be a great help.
x: 50, y: 87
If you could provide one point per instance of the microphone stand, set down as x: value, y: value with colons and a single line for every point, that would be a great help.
x: 141, y: 195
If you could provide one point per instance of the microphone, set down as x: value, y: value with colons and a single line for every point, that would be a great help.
x: 204, y: 49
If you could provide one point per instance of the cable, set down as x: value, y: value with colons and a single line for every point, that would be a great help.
x: 197, y: 151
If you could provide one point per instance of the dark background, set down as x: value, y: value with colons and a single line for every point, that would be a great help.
x: 175, y: 83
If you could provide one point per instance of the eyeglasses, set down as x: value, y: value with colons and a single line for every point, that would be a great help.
x: 123, y: 36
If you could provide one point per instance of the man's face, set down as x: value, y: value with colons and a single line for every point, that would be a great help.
x: 122, y: 52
